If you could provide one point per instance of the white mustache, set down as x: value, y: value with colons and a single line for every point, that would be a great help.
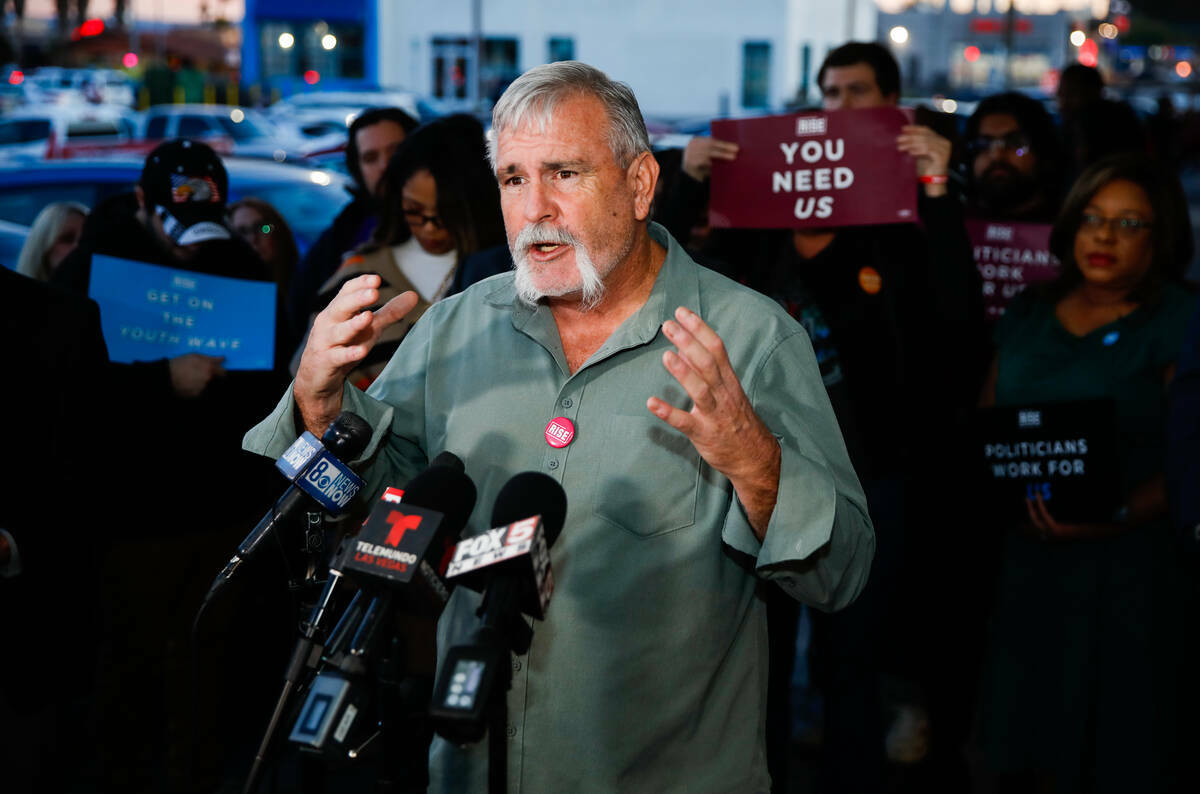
x: 543, y: 233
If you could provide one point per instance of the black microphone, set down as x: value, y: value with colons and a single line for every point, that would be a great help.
x: 424, y: 490
x: 399, y: 559
x: 511, y: 565
x: 319, y: 481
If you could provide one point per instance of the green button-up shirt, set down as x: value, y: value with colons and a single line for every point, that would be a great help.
x: 649, y: 672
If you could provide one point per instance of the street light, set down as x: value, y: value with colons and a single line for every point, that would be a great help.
x: 286, y: 40
x: 899, y: 34
x: 1078, y: 37
x: 329, y: 41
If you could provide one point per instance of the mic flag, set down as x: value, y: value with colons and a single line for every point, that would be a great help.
x: 527, y: 518
x: 408, y: 538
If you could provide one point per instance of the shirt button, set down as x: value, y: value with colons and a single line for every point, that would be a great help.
x: 516, y: 665
x: 553, y: 464
x: 510, y: 732
x: 566, y: 403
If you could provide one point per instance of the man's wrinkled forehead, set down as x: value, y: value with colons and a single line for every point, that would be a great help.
x: 535, y: 119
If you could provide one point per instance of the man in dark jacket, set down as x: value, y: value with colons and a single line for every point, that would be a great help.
x: 172, y: 534
x: 373, y: 137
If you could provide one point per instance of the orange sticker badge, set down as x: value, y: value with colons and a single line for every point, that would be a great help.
x: 870, y: 280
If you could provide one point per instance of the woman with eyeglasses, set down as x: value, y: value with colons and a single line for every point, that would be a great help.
x: 439, y: 204
x: 1089, y: 634
x: 260, y: 224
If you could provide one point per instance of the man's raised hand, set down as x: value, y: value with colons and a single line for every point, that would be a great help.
x: 341, y: 336
x: 722, y: 424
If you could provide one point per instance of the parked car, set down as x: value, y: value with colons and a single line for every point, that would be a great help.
x: 309, y: 199
x: 34, y: 131
x: 56, y: 85
x: 326, y: 106
x: 245, y: 131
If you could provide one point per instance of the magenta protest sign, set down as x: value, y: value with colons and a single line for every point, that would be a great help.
x: 1010, y: 256
x: 814, y: 169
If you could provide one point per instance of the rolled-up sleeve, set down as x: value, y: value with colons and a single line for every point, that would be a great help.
x: 819, y: 542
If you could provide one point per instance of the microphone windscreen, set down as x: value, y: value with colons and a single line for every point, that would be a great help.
x: 447, y: 490
x: 448, y: 458
x: 347, y: 436
x: 532, y: 493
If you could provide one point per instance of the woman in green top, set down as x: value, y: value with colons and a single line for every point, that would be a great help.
x: 1081, y: 690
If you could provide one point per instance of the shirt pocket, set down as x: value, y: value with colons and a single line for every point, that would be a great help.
x: 649, y: 478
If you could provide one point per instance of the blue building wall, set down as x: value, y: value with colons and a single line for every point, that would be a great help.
x: 362, y: 14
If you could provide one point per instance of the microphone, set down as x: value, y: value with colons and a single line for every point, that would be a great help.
x: 318, y: 479
x: 400, y: 554
x: 435, y: 491
x: 511, y: 565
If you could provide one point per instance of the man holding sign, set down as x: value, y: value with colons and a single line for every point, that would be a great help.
x: 183, y: 414
x: 894, y: 313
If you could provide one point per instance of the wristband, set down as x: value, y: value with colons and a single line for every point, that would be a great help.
x: 933, y: 179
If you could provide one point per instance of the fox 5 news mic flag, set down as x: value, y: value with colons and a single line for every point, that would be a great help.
x: 511, y: 564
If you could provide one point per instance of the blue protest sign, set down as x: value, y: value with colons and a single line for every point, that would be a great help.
x: 149, y: 312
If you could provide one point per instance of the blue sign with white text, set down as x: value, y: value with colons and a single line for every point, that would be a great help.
x: 148, y: 312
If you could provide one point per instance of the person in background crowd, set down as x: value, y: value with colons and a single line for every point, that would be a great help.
x: 1091, y: 126
x: 54, y: 234
x: 160, y: 552
x: 372, y: 138
x: 1090, y: 672
x: 1183, y: 440
x: 439, y: 205
x: 1078, y: 87
x: 260, y: 224
x: 49, y: 612
x: 1013, y: 160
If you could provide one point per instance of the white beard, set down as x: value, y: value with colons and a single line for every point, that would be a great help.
x: 590, y: 286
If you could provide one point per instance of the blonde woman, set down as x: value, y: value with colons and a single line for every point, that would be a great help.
x: 54, y: 234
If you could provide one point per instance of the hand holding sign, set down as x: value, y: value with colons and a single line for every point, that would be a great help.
x: 341, y: 336
x: 722, y: 425
x: 191, y: 373
x: 932, y: 153
x: 700, y: 152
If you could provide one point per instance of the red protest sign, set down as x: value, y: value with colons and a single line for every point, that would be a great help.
x: 814, y: 169
x: 1010, y: 256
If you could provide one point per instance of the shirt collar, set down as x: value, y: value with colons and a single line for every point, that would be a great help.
x: 677, y: 284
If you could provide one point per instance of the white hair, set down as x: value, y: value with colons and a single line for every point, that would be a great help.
x: 533, y: 97
x: 591, y: 286
x: 42, y: 235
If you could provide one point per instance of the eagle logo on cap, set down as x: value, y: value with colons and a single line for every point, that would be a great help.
x: 186, y: 189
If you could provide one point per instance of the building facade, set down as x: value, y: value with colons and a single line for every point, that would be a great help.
x: 683, y: 58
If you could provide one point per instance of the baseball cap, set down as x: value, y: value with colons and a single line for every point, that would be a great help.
x: 186, y: 184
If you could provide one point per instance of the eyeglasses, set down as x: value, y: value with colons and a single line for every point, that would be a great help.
x: 416, y: 219
x: 1015, y: 142
x: 256, y: 230
x: 1128, y: 228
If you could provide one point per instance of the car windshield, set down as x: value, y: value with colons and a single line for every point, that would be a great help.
x: 245, y: 129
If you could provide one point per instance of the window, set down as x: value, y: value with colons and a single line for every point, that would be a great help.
x: 452, y: 58
x: 756, y: 67
x: 24, y: 130
x: 331, y: 50
x: 156, y: 127
x: 93, y: 129
x: 499, y: 67
x: 562, y: 48
x: 193, y: 127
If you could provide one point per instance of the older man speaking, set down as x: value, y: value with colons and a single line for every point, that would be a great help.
x: 700, y: 456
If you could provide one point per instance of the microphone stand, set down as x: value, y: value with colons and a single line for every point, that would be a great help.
x: 306, y: 654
